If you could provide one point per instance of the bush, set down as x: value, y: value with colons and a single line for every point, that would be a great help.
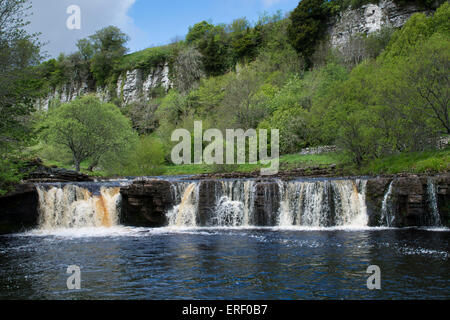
x: 146, y: 158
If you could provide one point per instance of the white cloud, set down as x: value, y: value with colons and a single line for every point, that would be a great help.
x: 49, y: 17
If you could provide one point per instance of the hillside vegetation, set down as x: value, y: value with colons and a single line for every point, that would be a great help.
x: 384, y: 99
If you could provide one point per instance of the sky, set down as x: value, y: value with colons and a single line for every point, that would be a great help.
x: 147, y: 22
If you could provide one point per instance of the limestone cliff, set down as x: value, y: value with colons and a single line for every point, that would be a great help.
x: 369, y: 18
x: 133, y: 85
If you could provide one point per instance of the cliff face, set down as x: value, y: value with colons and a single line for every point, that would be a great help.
x: 369, y: 18
x: 135, y: 85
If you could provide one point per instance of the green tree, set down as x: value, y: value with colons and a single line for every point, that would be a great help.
x: 147, y: 159
x: 19, y: 86
x: 88, y: 128
x: 188, y: 69
x: 309, y: 23
x: 108, y: 45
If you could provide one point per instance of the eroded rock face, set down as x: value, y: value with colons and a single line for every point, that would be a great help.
x: 266, y: 203
x: 369, y: 18
x: 135, y: 85
x: 145, y: 203
x: 411, y: 200
x: 19, y: 210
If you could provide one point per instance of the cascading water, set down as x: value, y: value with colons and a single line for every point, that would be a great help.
x: 73, y: 206
x: 318, y: 203
x: 387, y: 207
x: 435, y: 219
x: 234, y: 203
x: 323, y: 203
x: 185, y: 213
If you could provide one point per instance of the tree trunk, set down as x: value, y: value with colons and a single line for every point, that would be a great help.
x: 93, y: 165
x: 77, y: 165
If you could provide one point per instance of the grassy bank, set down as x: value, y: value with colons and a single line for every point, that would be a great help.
x: 287, y: 162
x: 416, y: 162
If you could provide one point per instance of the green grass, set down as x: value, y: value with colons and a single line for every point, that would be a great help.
x: 417, y: 162
x: 146, y: 59
x: 83, y: 167
x: 287, y: 162
x: 414, y: 162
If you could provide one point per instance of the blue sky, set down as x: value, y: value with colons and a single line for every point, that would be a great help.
x: 163, y: 20
x: 147, y: 22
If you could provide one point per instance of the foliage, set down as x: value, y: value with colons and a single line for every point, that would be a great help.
x: 145, y: 158
x: 108, y: 47
x: 19, y: 51
x: 88, y: 128
x: 188, y: 69
x: 309, y: 23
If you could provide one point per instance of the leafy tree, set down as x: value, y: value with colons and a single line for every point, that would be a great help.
x: 309, y: 23
x: 241, y: 99
x: 108, y: 45
x: 143, y: 115
x: 188, y: 69
x: 420, y: 83
x: 88, y: 128
x: 19, y: 84
x: 199, y: 32
x: 147, y: 159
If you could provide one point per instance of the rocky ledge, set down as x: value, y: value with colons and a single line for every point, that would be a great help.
x: 407, y: 197
x: 38, y: 173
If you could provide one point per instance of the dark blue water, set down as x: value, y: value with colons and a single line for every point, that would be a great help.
x: 125, y: 263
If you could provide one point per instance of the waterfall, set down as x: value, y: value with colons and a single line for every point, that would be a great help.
x: 246, y: 203
x: 323, y: 203
x: 234, y: 203
x: 185, y: 213
x: 72, y: 206
x: 387, y: 207
x: 435, y: 219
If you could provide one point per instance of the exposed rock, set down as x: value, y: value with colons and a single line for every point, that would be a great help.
x: 319, y: 150
x: 135, y: 85
x: 266, y: 203
x: 411, y: 200
x: 19, y: 209
x: 376, y: 189
x: 45, y: 174
x: 145, y: 203
x: 369, y: 18
x: 207, y: 201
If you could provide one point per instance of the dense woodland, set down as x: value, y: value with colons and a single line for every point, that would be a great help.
x: 382, y: 95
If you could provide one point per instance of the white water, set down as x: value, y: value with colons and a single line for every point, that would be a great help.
x: 185, y: 213
x: 387, y: 214
x: 76, y: 207
x: 303, y: 204
x: 435, y: 217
